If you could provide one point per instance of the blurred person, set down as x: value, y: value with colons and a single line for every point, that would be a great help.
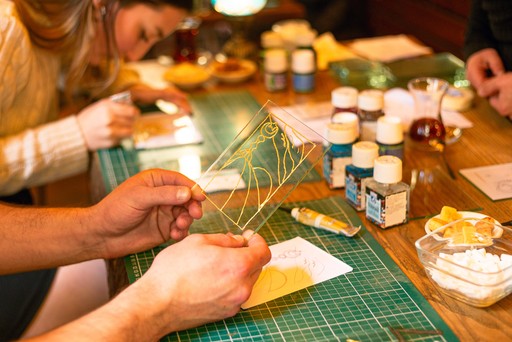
x: 488, y: 52
x: 80, y: 44
x: 47, y: 43
x: 203, y: 278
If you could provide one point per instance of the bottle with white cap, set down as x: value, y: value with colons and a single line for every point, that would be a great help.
x: 387, y: 198
x: 303, y: 70
x: 276, y: 70
x: 370, y: 103
x: 390, y: 136
x: 344, y: 99
x: 359, y: 172
x: 341, y: 137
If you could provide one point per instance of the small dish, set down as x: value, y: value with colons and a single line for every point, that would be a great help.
x: 233, y: 70
x: 187, y: 75
x: 466, y: 216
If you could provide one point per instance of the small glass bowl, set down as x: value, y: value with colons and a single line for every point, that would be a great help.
x: 463, y: 270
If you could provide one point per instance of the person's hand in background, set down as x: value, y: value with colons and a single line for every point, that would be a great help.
x: 105, y: 123
x: 498, y: 90
x: 144, y: 94
x: 483, y: 64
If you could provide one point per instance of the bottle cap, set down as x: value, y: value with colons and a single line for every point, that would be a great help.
x: 275, y: 60
x: 364, y: 154
x: 271, y: 39
x: 387, y: 169
x: 340, y: 133
x: 371, y: 100
x: 344, y: 97
x: 389, y: 130
x: 303, y: 61
x: 348, y: 118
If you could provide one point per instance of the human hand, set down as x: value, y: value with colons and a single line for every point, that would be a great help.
x: 498, y: 90
x: 202, y: 279
x: 145, y: 94
x: 480, y: 63
x: 144, y: 211
x: 105, y: 123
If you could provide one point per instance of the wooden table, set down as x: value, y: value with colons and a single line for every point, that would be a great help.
x: 487, y: 143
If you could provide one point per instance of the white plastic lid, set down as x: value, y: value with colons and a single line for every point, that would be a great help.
x: 303, y: 61
x: 271, y: 39
x: 364, y: 154
x: 341, y: 133
x: 389, y: 130
x: 344, y: 97
x: 276, y: 60
x: 387, y: 169
x: 348, y: 118
x: 371, y: 100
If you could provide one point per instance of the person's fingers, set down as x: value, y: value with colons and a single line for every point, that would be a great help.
x: 259, y: 250
x: 122, y: 110
x: 489, y: 87
x: 224, y: 240
x: 496, y: 65
x: 157, y: 177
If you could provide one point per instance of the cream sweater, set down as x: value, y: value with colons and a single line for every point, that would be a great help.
x: 34, y: 148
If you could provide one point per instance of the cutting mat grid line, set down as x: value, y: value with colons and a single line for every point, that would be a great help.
x: 360, y: 305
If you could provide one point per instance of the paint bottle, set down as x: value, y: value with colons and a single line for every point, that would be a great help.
x: 344, y: 99
x: 341, y: 136
x: 359, y: 172
x: 370, y: 104
x: 390, y: 136
x: 303, y: 69
x: 387, y: 198
x: 275, y: 70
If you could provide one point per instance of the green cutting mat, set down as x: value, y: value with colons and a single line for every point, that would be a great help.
x: 365, y: 304
x: 218, y: 116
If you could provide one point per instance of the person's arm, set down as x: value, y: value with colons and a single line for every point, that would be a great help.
x: 144, y: 211
x: 204, y: 278
x: 478, y: 34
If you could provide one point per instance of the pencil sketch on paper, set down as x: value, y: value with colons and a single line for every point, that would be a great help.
x: 295, y: 265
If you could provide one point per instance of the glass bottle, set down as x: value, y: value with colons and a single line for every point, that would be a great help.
x: 303, y: 69
x: 341, y: 136
x: 344, y: 99
x: 371, y: 104
x: 359, y: 172
x: 390, y: 136
x: 387, y: 198
x: 275, y: 70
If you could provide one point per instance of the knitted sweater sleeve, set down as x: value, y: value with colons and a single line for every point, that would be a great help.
x: 43, y: 153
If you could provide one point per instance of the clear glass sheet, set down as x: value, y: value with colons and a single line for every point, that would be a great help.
x: 268, y: 158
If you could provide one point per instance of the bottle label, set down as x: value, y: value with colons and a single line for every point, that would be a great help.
x: 334, y: 170
x: 355, y: 191
x: 303, y: 83
x: 275, y: 82
x: 386, y: 211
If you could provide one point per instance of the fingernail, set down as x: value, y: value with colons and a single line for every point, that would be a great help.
x: 239, y: 238
x: 182, y: 194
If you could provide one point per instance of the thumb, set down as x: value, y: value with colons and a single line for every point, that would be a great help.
x: 488, y: 87
x: 226, y: 240
x: 165, y: 195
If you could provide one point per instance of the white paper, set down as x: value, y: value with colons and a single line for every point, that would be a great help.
x: 295, y: 265
x: 222, y: 180
x: 495, y: 180
x: 389, y: 48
